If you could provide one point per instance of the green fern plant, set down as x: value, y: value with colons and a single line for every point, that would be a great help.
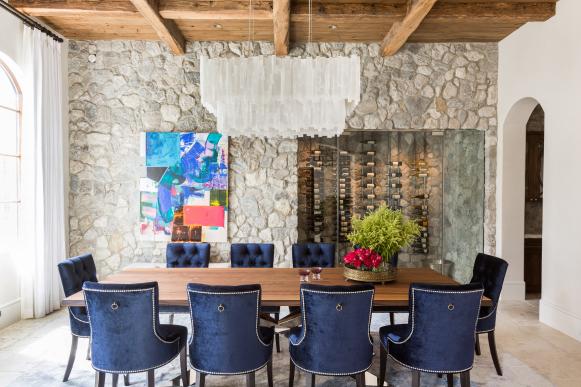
x: 384, y: 231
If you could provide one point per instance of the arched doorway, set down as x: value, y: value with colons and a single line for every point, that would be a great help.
x: 511, y: 194
x: 533, y: 242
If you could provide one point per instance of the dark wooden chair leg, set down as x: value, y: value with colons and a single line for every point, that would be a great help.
x: 151, y: 378
x: 291, y: 375
x: 200, y: 379
x: 492, y: 344
x: 276, y: 335
x: 269, y: 373
x: 440, y: 376
x: 89, y: 352
x: 382, y: 366
x: 115, y: 380
x: 310, y: 380
x: 277, y: 342
x: 171, y: 317
x: 450, y: 378
x: 465, y: 379
x: 99, y: 379
x: 392, y: 318
x: 477, y: 345
x: 415, y: 378
x: 250, y: 380
x: 184, y: 367
x: 360, y: 379
x: 74, y: 342
x: 126, y: 380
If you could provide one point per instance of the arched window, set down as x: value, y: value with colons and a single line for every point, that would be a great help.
x: 10, y: 125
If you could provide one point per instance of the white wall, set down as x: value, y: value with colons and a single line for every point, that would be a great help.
x: 11, y: 30
x: 543, y: 61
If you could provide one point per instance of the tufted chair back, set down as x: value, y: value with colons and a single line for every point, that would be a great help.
x: 226, y: 336
x: 187, y: 254
x: 126, y: 335
x: 74, y: 272
x: 314, y: 255
x: 334, y: 338
x: 440, y: 336
x: 489, y: 271
x: 252, y: 254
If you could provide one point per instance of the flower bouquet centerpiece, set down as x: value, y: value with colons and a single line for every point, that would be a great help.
x: 377, y: 239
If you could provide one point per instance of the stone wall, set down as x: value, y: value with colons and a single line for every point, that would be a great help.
x: 118, y: 89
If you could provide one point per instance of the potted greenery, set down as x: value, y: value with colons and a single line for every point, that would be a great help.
x: 377, y: 239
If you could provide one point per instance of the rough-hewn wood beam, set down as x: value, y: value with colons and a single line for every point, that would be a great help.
x: 110, y: 8
x: 281, y: 23
x: 401, y: 31
x: 212, y: 10
x: 166, y: 29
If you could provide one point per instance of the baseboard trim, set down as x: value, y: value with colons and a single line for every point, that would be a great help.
x: 513, y: 290
x: 562, y: 320
x: 10, y: 313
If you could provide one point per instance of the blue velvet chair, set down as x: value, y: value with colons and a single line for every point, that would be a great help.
x: 74, y: 272
x: 256, y: 255
x: 252, y: 255
x: 439, y: 337
x: 126, y: 336
x: 185, y: 255
x: 227, y: 338
x: 489, y: 271
x: 181, y: 255
x: 334, y: 337
x: 313, y: 255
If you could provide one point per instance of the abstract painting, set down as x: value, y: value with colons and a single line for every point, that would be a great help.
x: 184, y: 196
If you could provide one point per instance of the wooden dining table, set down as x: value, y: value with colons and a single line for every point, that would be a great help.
x: 280, y: 286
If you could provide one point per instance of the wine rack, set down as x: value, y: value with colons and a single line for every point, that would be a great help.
x: 345, y: 195
x: 420, y: 205
x: 368, y: 177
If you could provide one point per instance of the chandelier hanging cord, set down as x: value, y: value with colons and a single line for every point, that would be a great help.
x: 310, y: 33
x: 250, y: 23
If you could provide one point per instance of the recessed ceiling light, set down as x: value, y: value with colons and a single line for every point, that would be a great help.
x: 218, y: 26
x: 333, y: 27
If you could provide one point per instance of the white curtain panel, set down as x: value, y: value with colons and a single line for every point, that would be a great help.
x: 42, y: 218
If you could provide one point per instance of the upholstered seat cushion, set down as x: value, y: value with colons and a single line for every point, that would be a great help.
x: 395, y: 333
x: 266, y: 334
x: 486, y: 319
x: 172, y: 332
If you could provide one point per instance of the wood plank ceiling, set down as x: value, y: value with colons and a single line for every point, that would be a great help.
x: 392, y: 21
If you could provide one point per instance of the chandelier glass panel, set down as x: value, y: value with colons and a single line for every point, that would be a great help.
x: 269, y: 96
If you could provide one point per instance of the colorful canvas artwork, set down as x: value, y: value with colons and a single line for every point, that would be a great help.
x: 184, y: 196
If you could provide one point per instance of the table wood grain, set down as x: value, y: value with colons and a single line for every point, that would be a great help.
x: 280, y: 286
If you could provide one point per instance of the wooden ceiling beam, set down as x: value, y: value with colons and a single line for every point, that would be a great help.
x: 281, y: 24
x: 166, y: 29
x: 212, y: 10
x: 400, y: 31
x: 48, y: 8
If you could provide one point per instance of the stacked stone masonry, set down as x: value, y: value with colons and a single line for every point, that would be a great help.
x: 118, y: 89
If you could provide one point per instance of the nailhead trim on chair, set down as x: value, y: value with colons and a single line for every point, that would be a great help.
x: 412, y: 331
x: 305, y: 330
x: 258, y: 292
x: 154, y: 330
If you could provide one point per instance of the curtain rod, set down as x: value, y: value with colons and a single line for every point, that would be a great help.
x: 29, y: 21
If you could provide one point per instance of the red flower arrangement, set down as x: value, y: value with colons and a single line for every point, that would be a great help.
x: 363, y: 259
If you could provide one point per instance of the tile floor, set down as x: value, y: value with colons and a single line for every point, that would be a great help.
x: 34, y: 352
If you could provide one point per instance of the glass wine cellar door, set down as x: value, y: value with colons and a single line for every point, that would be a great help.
x: 435, y: 178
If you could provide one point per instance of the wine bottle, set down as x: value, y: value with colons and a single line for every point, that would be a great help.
x: 370, y: 185
x: 395, y: 185
x: 421, y: 196
x: 394, y: 163
x: 371, y: 164
x: 371, y: 196
x: 370, y: 174
x: 371, y: 153
x: 420, y: 174
x: 396, y: 196
x: 394, y: 174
